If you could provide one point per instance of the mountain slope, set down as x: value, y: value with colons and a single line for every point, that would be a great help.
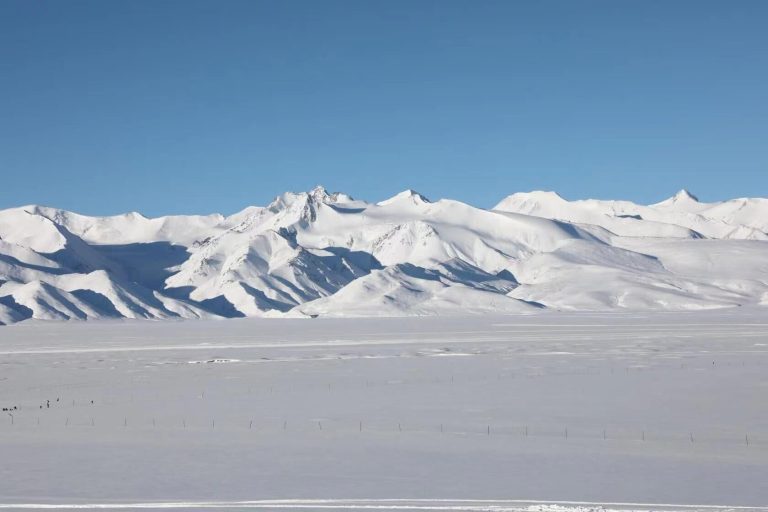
x: 681, y: 216
x: 319, y: 253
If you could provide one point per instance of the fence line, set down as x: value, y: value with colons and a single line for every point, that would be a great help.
x: 22, y: 423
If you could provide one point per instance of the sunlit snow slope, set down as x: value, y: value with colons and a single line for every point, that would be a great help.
x: 316, y: 253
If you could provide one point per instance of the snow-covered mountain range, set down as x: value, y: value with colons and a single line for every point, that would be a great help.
x: 317, y: 253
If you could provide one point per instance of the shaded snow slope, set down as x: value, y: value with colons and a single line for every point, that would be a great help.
x: 320, y: 253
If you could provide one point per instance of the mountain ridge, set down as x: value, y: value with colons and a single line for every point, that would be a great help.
x: 318, y: 253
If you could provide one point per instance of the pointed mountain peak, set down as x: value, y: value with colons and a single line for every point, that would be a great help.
x: 684, y: 195
x: 319, y: 193
x: 405, y: 195
x: 682, y: 200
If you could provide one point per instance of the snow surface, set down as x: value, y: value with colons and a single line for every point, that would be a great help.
x: 554, y: 412
x: 326, y: 254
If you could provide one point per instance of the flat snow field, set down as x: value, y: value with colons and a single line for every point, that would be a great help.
x: 553, y: 411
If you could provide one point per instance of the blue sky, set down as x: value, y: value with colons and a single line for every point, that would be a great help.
x: 194, y: 107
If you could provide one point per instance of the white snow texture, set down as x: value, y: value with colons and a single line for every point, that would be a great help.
x: 327, y: 254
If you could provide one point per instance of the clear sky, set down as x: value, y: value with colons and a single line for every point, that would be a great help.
x: 194, y: 107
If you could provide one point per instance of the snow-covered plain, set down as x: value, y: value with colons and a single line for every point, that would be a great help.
x: 627, y: 411
x: 326, y: 254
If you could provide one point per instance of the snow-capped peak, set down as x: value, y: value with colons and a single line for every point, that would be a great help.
x: 542, y: 194
x: 682, y: 197
x: 531, y: 203
x: 685, y: 195
x: 319, y: 193
x: 683, y: 201
x: 315, y: 196
x: 406, y: 195
x: 404, y: 255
